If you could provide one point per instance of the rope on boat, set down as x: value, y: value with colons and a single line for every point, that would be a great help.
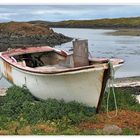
x: 111, y: 87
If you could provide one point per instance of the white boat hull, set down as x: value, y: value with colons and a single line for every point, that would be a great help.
x: 83, y: 86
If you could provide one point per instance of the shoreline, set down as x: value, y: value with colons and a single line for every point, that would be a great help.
x: 127, y: 81
x: 116, y: 32
x: 125, y: 32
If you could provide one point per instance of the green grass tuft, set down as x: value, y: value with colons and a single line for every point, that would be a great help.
x: 125, y: 100
x: 127, y: 131
x: 19, y: 103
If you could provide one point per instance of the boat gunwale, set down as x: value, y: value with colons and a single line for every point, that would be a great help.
x: 32, y: 70
x: 6, y: 57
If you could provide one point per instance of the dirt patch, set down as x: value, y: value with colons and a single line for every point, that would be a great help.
x: 124, y: 119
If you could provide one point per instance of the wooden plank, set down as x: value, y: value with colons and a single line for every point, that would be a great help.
x: 80, y: 53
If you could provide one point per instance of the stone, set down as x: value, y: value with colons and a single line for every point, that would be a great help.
x: 3, y: 91
x: 112, y: 130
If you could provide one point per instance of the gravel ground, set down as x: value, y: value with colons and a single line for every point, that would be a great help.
x: 127, y: 82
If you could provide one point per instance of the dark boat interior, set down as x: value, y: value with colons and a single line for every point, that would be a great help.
x: 50, y: 59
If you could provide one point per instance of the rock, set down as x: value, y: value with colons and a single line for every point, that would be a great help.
x: 21, y: 34
x: 112, y: 130
x: 3, y: 91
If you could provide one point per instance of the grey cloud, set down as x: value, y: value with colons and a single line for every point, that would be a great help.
x: 65, y: 12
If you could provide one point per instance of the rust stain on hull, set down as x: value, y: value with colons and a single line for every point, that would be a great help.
x: 8, y: 71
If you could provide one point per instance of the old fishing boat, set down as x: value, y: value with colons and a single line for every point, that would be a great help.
x: 51, y: 73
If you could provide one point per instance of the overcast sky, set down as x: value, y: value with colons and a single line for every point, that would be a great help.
x: 65, y: 12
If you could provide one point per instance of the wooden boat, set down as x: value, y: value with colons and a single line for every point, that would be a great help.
x: 51, y: 73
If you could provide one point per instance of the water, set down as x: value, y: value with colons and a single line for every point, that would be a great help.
x: 103, y: 45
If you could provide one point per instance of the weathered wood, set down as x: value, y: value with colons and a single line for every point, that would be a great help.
x: 80, y: 53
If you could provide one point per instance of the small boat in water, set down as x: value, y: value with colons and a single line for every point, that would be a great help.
x: 51, y: 73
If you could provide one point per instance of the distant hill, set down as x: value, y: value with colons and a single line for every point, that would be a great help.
x: 99, y: 23
x: 22, y: 34
x: 24, y: 29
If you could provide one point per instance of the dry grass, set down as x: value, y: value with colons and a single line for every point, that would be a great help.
x: 46, y: 128
x: 27, y: 130
x: 24, y: 29
x: 4, y: 132
x: 124, y: 119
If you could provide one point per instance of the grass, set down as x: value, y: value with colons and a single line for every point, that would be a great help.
x: 24, y: 29
x: 125, y: 100
x: 20, y: 106
x: 22, y: 114
x: 125, y: 26
x: 133, y: 22
x: 128, y: 131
